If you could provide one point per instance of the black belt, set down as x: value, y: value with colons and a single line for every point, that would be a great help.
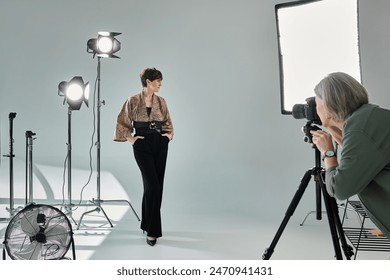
x: 148, y: 127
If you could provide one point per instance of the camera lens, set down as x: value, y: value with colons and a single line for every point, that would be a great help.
x: 298, y: 111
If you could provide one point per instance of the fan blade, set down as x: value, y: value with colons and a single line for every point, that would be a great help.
x: 31, y: 251
x: 57, y: 233
x: 29, y: 223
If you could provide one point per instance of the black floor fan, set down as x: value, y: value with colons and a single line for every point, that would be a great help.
x: 38, y: 232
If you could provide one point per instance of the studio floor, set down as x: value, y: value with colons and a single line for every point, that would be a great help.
x: 229, y: 238
x: 202, y: 233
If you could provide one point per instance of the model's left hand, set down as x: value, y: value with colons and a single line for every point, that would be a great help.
x: 322, y: 140
x: 169, y: 135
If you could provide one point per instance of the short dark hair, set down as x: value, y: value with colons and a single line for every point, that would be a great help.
x: 150, y: 74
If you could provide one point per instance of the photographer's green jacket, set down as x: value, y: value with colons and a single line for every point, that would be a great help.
x: 364, y: 163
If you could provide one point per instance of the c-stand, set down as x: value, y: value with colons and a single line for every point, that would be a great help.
x: 29, y: 167
x: 98, y: 202
x: 12, y: 211
x: 335, y: 225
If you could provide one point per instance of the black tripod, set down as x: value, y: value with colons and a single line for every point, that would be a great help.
x: 335, y: 225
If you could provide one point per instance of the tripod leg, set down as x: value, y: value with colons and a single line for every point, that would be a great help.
x: 124, y: 201
x: 97, y: 209
x: 332, y: 226
x: 105, y: 215
x: 318, y: 203
x: 336, y: 226
x: 348, y: 251
x: 69, y: 212
x: 290, y: 211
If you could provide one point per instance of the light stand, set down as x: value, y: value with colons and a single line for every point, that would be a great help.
x: 11, y: 156
x: 29, y: 167
x: 75, y: 93
x: 94, y: 47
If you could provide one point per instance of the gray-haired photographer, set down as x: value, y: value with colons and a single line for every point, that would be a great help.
x: 362, y: 130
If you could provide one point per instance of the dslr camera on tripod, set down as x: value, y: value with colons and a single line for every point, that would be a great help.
x: 307, y: 111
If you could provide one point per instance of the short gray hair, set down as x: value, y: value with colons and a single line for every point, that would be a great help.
x: 341, y: 94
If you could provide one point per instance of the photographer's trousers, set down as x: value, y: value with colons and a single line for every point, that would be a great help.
x: 151, y: 155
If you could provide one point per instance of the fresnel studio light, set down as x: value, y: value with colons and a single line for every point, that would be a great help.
x: 75, y: 92
x: 105, y: 45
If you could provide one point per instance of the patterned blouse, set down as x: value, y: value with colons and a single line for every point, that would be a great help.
x: 134, y: 109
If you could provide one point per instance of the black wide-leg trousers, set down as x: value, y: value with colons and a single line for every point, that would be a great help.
x: 151, y: 155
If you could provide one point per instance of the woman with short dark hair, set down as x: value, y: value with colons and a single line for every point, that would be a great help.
x: 363, y: 132
x: 146, y: 115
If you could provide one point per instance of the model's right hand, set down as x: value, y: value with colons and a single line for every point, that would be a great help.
x: 133, y: 139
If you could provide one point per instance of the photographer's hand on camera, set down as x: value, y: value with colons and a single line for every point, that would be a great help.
x: 324, y: 143
x: 322, y: 140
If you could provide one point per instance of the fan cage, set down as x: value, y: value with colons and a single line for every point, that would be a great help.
x: 38, y: 232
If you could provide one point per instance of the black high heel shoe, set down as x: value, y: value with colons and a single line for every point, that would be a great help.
x: 151, y: 242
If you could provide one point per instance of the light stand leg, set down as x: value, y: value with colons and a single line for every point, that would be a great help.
x: 98, y: 201
x: 318, y: 210
x: 308, y: 214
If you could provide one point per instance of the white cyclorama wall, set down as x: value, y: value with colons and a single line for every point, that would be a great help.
x: 233, y: 152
